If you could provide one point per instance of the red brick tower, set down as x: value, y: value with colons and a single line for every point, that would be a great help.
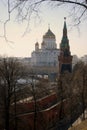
x: 65, y: 58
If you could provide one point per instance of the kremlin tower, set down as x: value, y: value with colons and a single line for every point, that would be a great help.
x: 65, y: 58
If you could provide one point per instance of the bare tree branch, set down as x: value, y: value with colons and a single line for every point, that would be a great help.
x: 63, y: 1
x: 72, y: 2
x: 28, y: 8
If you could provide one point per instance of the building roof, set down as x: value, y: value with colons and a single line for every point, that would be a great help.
x: 64, y: 42
x: 49, y: 34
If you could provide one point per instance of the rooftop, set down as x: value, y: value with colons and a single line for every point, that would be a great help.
x: 49, y: 34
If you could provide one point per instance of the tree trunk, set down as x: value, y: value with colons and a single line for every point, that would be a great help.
x: 7, y: 117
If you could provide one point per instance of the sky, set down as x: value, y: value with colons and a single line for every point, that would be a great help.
x: 22, y: 45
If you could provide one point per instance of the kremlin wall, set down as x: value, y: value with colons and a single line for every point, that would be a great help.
x: 47, y: 113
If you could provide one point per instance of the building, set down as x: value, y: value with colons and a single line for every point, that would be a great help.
x: 65, y: 58
x: 48, y: 54
x: 75, y: 60
x: 84, y: 59
x: 49, y: 57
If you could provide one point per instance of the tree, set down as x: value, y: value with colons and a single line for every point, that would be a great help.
x: 65, y: 92
x: 10, y: 72
x: 28, y: 8
x: 38, y: 92
x: 33, y: 6
x: 80, y: 83
x: 73, y: 88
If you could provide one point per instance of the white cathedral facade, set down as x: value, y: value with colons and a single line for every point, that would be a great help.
x: 48, y: 54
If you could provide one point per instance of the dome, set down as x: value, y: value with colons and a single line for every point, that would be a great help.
x: 49, y: 34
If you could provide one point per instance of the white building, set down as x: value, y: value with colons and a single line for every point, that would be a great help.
x: 84, y: 59
x: 75, y: 60
x: 48, y: 54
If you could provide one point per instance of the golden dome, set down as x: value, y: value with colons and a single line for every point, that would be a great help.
x: 49, y: 34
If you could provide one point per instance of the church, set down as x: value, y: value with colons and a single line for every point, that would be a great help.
x: 49, y: 55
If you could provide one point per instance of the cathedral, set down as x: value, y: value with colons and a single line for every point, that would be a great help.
x: 49, y: 55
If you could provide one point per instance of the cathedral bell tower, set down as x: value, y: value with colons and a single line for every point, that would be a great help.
x: 36, y: 46
x: 65, y: 58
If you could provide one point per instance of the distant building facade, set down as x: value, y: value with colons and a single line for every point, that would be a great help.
x: 48, y: 54
x: 75, y: 60
x: 84, y: 59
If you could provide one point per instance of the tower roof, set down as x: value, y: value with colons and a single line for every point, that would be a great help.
x: 64, y: 42
x: 49, y: 34
x: 65, y: 28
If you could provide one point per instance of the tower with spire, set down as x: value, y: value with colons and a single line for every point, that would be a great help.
x: 65, y: 58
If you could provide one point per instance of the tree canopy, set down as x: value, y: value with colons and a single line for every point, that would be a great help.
x: 27, y: 8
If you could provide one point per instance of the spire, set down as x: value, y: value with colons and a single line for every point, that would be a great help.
x: 65, y: 28
x: 48, y: 26
x: 64, y: 45
x: 65, y: 41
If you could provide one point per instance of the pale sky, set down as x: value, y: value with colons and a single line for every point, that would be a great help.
x: 22, y: 46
